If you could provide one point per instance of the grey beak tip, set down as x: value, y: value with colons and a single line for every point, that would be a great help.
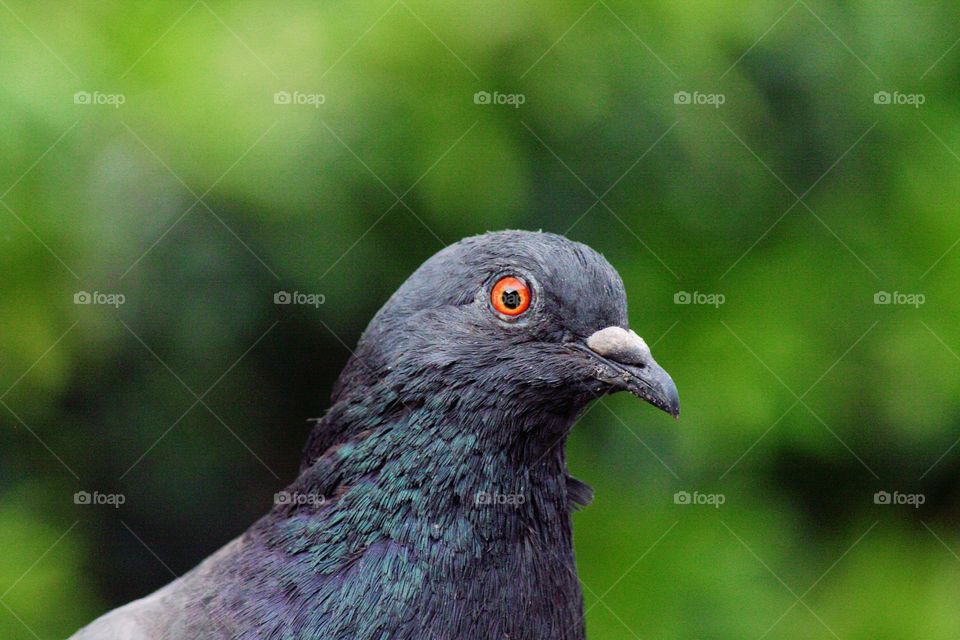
x: 670, y: 397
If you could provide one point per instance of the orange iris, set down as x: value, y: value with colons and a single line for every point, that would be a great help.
x: 510, y: 296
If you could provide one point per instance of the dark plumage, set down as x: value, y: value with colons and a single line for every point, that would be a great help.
x: 433, y: 499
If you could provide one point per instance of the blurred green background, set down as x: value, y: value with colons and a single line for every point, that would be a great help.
x: 197, y: 158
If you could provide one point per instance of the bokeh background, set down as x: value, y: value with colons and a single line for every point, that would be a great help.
x: 198, y: 158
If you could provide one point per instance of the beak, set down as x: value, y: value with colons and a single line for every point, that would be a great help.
x: 624, y: 361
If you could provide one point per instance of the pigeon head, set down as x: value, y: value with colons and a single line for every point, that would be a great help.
x: 513, y: 325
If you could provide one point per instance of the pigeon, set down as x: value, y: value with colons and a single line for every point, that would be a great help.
x: 433, y: 499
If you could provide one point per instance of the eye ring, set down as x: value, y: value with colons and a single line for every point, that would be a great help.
x: 510, y: 296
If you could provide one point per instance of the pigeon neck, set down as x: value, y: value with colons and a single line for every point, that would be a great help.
x: 469, y: 509
x: 455, y: 459
x: 522, y: 430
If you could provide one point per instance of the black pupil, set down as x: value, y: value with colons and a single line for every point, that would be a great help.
x: 510, y: 298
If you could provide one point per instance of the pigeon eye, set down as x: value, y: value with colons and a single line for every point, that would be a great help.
x: 510, y: 296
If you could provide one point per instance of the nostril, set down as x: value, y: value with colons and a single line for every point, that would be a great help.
x: 620, y: 345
